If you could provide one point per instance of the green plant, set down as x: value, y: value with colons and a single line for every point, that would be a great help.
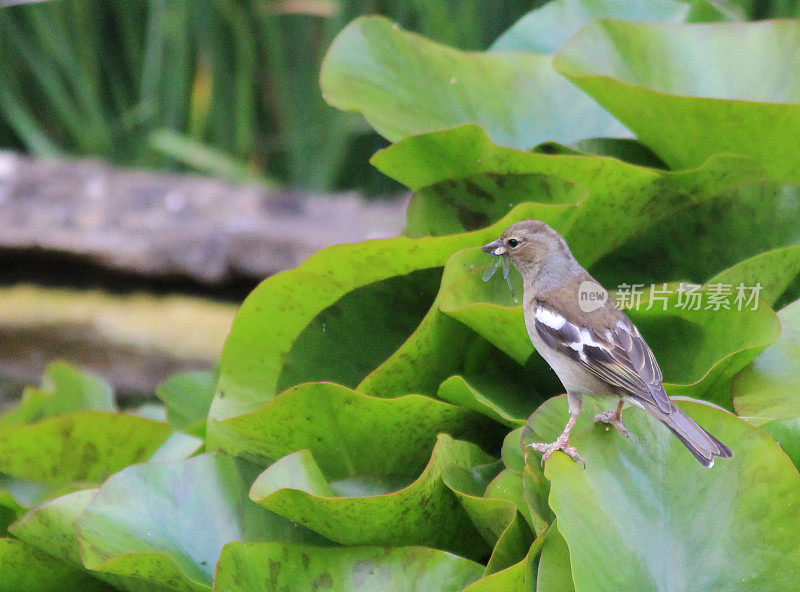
x: 365, y: 431
x: 227, y: 87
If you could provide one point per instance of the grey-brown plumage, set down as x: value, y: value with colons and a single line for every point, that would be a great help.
x: 593, y: 348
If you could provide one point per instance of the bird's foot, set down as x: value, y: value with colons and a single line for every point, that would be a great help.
x: 560, y: 444
x: 612, y: 419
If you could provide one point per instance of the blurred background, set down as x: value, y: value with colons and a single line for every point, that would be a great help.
x: 158, y: 158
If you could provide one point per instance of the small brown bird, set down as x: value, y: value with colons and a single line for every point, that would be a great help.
x: 590, y: 343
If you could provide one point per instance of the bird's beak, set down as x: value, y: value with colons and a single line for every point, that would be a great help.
x: 494, y: 248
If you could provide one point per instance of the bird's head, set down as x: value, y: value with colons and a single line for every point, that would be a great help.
x: 532, y: 247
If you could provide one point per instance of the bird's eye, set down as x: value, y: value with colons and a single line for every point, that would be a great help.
x: 512, y: 242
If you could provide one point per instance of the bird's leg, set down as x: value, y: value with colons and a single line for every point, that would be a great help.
x: 561, y: 442
x: 612, y: 418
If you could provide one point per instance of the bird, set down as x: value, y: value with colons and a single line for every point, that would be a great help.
x: 591, y: 345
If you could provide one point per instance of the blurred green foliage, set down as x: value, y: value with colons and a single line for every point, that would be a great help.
x: 227, y: 87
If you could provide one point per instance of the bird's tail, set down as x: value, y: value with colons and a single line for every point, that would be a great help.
x: 700, y: 443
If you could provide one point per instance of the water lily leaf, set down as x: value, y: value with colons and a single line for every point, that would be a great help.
x: 269, y: 567
x: 512, y: 454
x: 722, y: 342
x: 396, y: 305
x: 65, y: 389
x: 682, y: 216
x: 507, y: 485
x: 485, y: 307
x: 19, y: 494
x: 626, y: 213
x: 535, y: 492
x: 625, y: 149
x: 166, y: 523
x: 777, y: 271
x: 50, y: 527
x: 546, y: 29
x: 512, y: 546
x: 786, y: 432
x: 404, y: 84
x: 630, y: 501
x: 554, y: 573
x: 83, y: 446
x: 462, y: 178
x: 442, y: 347
x: 699, y: 351
x: 524, y: 484
x: 187, y: 397
x: 26, y: 569
x: 520, y: 577
x: 470, y: 203
x: 425, y: 512
x: 10, y: 510
x: 687, y: 242
x: 493, y: 517
x: 177, y: 446
x: 767, y: 388
x: 274, y: 317
x: 504, y: 406
x: 657, y: 80
x: 350, y: 433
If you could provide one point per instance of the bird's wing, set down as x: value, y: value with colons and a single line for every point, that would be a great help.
x: 617, y: 354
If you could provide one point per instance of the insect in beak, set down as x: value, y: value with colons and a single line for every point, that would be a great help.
x: 497, y: 250
x: 494, y: 248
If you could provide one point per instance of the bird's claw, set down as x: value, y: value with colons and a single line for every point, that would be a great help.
x: 549, y: 448
x: 612, y: 419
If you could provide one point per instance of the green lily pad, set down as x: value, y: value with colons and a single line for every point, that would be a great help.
x: 460, y: 176
x: 687, y: 243
x: 470, y: 203
x: 546, y: 29
x: 177, y: 446
x: 524, y: 484
x: 404, y: 84
x: 507, y: 485
x: 10, y: 510
x: 425, y: 512
x: 699, y: 351
x: 520, y: 577
x: 630, y: 501
x: 83, y: 446
x: 350, y: 433
x: 493, y: 516
x: 768, y: 387
x: 65, y: 389
x: 786, y: 432
x: 506, y: 407
x: 50, y: 527
x: 512, y: 546
x: 777, y: 271
x: 512, y: 454
x: 554, y: 574
x: 629, y: 213
x: 486, y: 307
x: 188, y: 397
x: 625, y: 149
x: 660, y: 82
x: 269, y: 567
x: 442, y: 347
x: 166, y: 523
x: 25, y: 569
x: 273, y: 317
